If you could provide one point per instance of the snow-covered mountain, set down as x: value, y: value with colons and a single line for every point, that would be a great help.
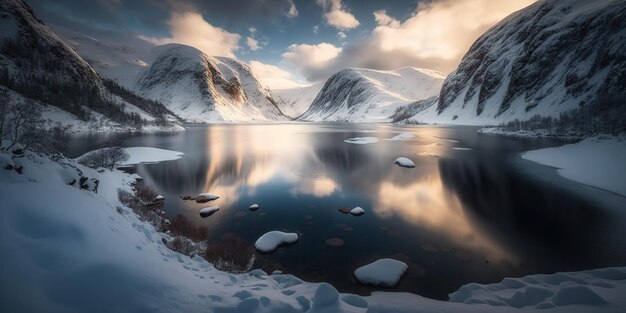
x: 548, y: 58
x: 364, y: 95
x: 201, y: 88
x: 37, y: 67
x: 120, y: 63
x: 295, y: 101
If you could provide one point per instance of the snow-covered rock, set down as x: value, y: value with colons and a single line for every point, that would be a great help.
x: 597, y: 162
x: 361, y: 140
x: 271, y: 240
x: 404, y: 162
x: 383, y: 272
x: 357, y: 211
x: 159, y: 198
x: 254, y: 207
x: 208, y: 211
x: 547, y: 58
x: 364, y: 95
x: 202, y: 88
x: 206, y: 197
x: 295, y: 101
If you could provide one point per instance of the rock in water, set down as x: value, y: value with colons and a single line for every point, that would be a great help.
x: 404, y: 162
x: 271, y: 240
x: 384, y: 272
x: 357, y: 211
x: 206, y: 197
x: 206, y: 212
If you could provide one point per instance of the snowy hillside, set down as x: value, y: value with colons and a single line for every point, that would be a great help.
x: 295, y: 101
x: 550, y: 57
x: 76, y: 248
x: 120, y: 63
x: 363, y: 95
x: 37, y: 66
x: 201, y: 88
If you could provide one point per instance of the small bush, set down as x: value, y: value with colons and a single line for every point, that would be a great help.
x: 180, y: 226
x: 109, y: 158
x: 230, y: 255
x: 182, y: 245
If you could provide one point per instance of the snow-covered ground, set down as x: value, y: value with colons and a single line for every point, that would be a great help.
x: 598, y: 162
x: 67, y: 249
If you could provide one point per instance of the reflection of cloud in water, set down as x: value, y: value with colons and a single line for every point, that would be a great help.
x: 426, y: 203
x: 320, y: 187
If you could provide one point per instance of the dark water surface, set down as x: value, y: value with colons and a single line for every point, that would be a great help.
x: 459, y: 216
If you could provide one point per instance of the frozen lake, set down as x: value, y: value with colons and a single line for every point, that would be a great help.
x: 471, y: 210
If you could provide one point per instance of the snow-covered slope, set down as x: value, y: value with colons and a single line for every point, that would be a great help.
x: 68, y: 249
x: 545, y: 59
x: 364, y: 95
x: 121, y: 63
x: 201, y: 88
x: 295, y: 101
x: 36, y: 65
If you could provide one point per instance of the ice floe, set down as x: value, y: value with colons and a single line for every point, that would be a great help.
x: 404, y: 162
x: 384, y: 272
x: 271, y: 240
x: 361, y: 140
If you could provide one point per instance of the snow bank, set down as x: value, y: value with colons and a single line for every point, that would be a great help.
x: 384, y: 272
x: 206, y: 212
x: 404, y: 162
x: 271, y: 240
x: 595, y: 162
x: 138, y: 155
x: 361, y: 140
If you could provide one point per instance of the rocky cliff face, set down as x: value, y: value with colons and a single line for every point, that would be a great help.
x: 545, y: 59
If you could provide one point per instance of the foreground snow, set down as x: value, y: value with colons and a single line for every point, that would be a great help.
x: 73, y: 250
x: 597, y: 162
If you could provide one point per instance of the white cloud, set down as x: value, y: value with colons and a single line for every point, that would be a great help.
x: 310, y: 59
x: 342, y: 35
x: 192, y: 29
x: 252, y: 30
x: 252, y: 43
x: 316, y: 29
x: 336, y: 14
x: 272, y: 76
x: 435, y: 36
x: 293, y: 11
x: 382, y: 19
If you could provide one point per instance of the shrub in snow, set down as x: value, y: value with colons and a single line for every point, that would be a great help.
x: 182, y: 245
x: 271, y: 240
x: 404, y: 162
x: 231, y: 255
x: 325, y: 296
x: 384, y: 272
x: 180, y: 226
x: 108, y: 158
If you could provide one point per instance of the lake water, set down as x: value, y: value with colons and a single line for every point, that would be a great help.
x: 459, y: 216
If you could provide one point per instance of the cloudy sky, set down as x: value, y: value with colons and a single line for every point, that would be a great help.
x: 292, y: 42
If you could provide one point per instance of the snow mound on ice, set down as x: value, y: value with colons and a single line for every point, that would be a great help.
x: 361, y: 140
x: 208, y: 211
x: 404, y: 162
x: 271, y: 240
x: 384, y: 272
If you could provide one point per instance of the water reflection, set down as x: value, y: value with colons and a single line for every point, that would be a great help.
x: 457, y: 217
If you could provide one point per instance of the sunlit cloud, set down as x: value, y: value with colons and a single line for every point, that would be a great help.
x: 342, y: 35
x: 336, y: 14
x: 252, y: 43
x: 435, y: 36
x: 293, y: 11
x: 272, y: 76
x: 192, y: 29
x: 309, y: 58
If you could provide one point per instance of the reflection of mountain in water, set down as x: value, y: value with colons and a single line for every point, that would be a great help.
x: 522, y: 215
